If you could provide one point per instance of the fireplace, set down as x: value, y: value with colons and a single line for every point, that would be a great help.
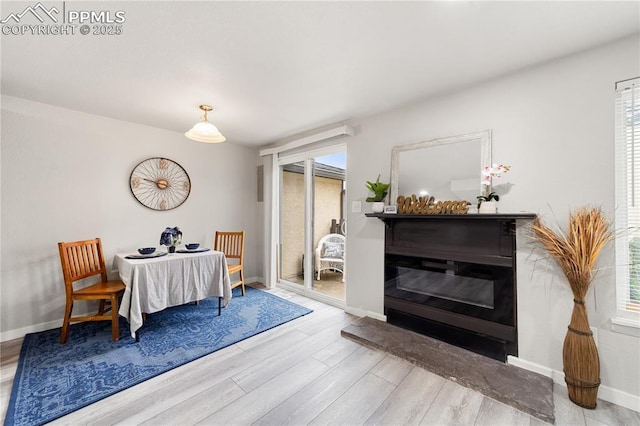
x: 453, y: 277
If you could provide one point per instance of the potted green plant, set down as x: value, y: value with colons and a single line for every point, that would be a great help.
x: 379, y: 190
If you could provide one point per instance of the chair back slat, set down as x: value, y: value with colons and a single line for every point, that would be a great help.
x: 82, y: 259
x: 231, y: 244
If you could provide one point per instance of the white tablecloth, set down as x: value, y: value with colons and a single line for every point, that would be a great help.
x: 175, y: 279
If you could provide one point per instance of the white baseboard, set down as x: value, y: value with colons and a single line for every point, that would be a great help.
x: 259, y: 280
x: 618, y: 397
x: 21, y: 332
x: 363, y: 313
x: 355, y: 311
x: 531, y: 366
x: 606, y: 393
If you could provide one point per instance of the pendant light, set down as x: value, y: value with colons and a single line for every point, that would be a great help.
x: 205, y: 131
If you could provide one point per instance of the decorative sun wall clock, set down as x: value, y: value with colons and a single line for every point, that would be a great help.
x: 160, y: 183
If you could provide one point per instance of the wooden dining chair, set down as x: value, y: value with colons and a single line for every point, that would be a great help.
x: 82, y: 259
x: 232, y: 245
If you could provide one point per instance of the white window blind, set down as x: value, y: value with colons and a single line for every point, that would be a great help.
x: 627, y: 172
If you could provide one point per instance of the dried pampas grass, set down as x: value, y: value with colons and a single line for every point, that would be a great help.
x: 576, y: 252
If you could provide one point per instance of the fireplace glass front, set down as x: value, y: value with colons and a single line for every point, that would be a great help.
x: 448, y: 285
x: 468, y: 289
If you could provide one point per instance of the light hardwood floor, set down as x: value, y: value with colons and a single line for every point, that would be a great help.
x: 304, y: 372
x: 331, y: 283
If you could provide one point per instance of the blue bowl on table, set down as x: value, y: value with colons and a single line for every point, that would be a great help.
x: 192, y: 246
x: 146, y: 250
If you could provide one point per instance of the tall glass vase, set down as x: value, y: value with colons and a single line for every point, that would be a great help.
x: 580, y: 359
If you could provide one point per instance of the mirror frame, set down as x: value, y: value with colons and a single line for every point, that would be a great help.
x: 483, y: 137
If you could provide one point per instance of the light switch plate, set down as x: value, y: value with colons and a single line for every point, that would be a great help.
x: 356, y: 206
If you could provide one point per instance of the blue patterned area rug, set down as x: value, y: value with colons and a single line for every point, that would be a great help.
x: 53, y: 380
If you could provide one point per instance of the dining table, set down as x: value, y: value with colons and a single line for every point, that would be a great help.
x: 162, y: 280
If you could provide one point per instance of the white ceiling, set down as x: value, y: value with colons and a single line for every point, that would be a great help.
x: 274, y: 69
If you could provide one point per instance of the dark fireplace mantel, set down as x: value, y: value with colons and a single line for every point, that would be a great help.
x: 472, y: 216
x: 453, y: 277
x: 483, y: 238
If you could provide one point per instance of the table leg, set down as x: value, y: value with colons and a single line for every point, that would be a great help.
x: 219, y: 306
x: 137, y: 336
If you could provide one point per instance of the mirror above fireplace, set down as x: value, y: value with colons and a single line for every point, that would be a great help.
x: 445, y: 168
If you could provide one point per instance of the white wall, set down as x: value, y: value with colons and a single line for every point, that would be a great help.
x: 65, y: 177
x: 554, y: 124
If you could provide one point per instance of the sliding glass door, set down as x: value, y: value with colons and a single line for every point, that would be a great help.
x: 292, y: 222
x: 312, y: 228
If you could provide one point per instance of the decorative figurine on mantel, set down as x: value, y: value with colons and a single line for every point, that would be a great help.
x: 429, y: 205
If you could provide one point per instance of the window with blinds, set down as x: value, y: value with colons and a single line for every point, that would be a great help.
x: 627, y: 172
